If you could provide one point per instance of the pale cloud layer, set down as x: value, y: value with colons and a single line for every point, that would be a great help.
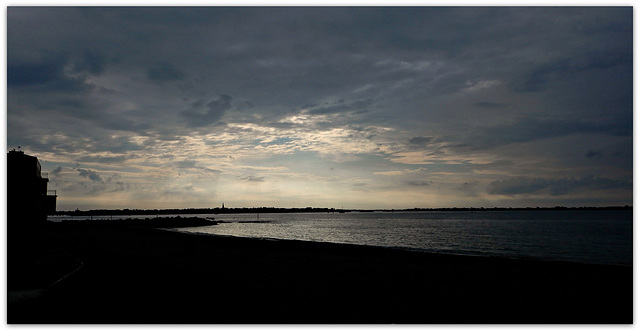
x: 333, y: 106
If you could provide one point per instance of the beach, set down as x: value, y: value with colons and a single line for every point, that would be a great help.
x: 131, y: 275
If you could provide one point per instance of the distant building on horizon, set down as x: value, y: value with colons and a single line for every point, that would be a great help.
x: 28, y: 200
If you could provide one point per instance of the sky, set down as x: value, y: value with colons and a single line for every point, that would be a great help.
x: 354, y: 107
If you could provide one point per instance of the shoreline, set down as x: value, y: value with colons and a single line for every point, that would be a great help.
x: 145, y: 275
x: 403, y: 249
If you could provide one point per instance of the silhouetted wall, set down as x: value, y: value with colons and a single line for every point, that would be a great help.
x: 27, y: 201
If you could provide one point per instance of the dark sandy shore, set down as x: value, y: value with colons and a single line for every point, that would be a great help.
x: 145, y: 275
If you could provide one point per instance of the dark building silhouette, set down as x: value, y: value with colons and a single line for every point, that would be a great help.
x: 28, y: 200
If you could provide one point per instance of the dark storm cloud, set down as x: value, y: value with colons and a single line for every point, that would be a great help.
x: 341, y: 107
x: 560, y: 68
x: 593, y: 154
x: 164, y: 71
x: 94, y: 62
x: 34, y: 73
x: 213, y: 111
x: 47, y: 74
x: 531, y: 128
x: 119, y: 84
x: 490, y: 105
x: 554, y: 187
x: 123, y: 123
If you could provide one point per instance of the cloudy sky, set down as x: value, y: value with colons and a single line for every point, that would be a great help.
x: 333, y: 106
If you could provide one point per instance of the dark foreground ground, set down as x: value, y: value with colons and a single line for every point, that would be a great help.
x: 143, y: 275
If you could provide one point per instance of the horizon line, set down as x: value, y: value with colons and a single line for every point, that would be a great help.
x: 626, y: 206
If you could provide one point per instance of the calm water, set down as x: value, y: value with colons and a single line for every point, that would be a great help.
x: 579, y: 236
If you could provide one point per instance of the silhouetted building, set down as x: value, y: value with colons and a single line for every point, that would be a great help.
x: 28, y: 201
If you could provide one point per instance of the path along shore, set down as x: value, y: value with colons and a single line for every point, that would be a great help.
x: 127, y: 275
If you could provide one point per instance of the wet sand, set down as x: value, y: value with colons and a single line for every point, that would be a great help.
x: 144, y: 275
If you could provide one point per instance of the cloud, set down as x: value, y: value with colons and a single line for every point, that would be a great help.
x: 57, y: 171
x: 341, y: 107
x: 91, y: 175
x: 34, y: 73
x: 419, y: 183
x: 593, y: 154
x: 489, y: 105
x: 420, y: 140
x: 538, y: 77
x: 94, y: 62
x: 213, y: 111
x: 532, y: 128
x: 192, y: 166
x: 554, y: 187
x: 361, y: 90
x: 251, y: 178
x: 49, y: 74
x: 164, y: 71
x: 118, y: 185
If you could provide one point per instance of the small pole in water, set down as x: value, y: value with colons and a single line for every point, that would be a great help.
x: 258, y: 216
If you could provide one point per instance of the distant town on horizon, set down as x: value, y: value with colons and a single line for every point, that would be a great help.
x: 225, y: 210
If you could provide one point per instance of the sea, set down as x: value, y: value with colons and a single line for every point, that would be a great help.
x: 585, y: 236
